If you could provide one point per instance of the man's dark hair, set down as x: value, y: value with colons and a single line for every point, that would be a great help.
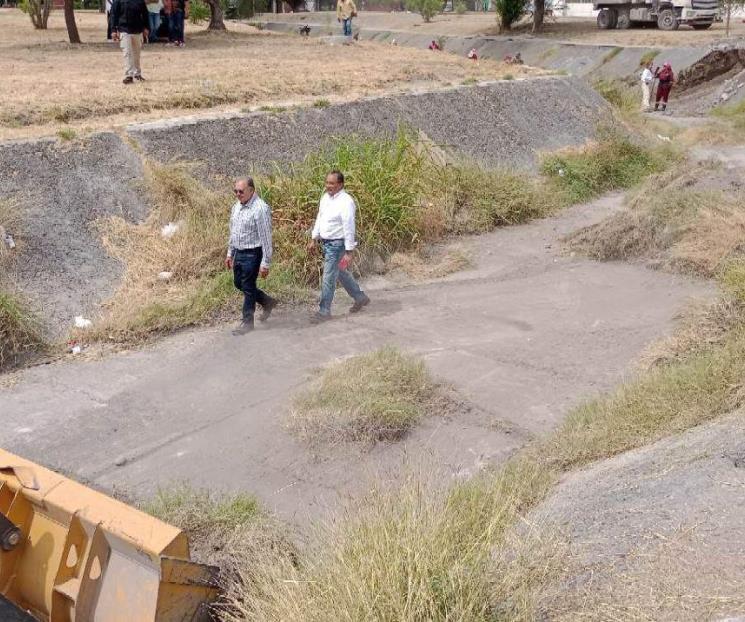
x: 339, y: 175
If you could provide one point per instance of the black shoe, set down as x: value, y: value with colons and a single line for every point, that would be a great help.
x: 267, y: 310
x: 245, y: 327
x: 128, y: 80
x: 140, y: 79
x: 358, y: 304
x: 318, y: 318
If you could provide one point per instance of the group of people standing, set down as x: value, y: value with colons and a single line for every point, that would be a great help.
x: 250, y: 248
x: 135, y: 22
x: 665, y: 79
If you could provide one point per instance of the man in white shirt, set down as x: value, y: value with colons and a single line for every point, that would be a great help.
x: 335, y: 228
x: 647, y: 79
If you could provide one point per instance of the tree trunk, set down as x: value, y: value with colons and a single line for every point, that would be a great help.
x: 729, y: 10
x: 39, y: 13
x: 538, y: 12
x: 217, y: 21
x: 72, y: 27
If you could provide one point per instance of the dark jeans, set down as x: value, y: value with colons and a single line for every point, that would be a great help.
x: 346, y: 25
x: 246, y: 266
x: 176, y: 26
x: 108, y: 26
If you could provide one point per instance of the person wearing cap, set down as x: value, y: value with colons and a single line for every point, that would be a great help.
x: 647, y: 78
x: 666, y: 78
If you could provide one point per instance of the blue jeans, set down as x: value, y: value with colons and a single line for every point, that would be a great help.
x: 176, y: 26
x: 246, y: 266
x: 347, y: 26
x: 154, y: 19
x: 333, y: 251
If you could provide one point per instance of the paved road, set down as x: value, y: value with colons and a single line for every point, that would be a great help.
x: 523, y: 336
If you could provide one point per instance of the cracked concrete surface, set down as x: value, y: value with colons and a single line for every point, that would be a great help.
x: 523, y: 336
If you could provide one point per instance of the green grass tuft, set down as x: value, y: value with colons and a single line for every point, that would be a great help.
x: 614, y: 163
x: 321, y: 103
x: 66, y: 134
x: 20, y: 330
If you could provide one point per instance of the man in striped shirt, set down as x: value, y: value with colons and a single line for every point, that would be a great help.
x: 250, y: 251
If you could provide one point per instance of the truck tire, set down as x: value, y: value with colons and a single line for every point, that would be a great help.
x: 701, y: 26
x: 607, y: 19
x: 624, y: 20
x: 666, y: 20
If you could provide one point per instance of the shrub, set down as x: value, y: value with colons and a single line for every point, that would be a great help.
x: 426, y: 8
x: 199, y: 11
x: 460, y: 7
x: 508, y: 12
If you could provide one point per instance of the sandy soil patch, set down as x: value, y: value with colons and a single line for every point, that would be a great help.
x: 49, y: 84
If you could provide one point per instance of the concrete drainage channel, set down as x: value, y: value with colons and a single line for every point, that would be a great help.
x: 587, y: 60
x: 69, y: 273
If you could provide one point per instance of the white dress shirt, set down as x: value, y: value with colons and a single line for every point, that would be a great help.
x: 647, y: 76
x: 335, y: 220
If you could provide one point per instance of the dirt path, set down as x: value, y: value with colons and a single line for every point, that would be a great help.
x: 523, y: 336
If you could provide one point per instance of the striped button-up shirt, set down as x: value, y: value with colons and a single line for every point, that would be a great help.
x: 251, y: 227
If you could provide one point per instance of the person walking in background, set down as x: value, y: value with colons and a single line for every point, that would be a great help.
x: 108, y: 20
x: 153, y: 11
x: 335, y: 228
x: 345, y: 11
x: 647, y: 78
x: 129, y: 26
x: 250, y: 251
x: 177, y: 11
x: 666, y: 78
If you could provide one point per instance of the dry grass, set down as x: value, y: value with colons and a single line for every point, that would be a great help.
x: 82, y: 86
x: 675, y: 221
x: 198, y: 288
x: 428, y: 264
x: 367, y: 398
x: 417, y: 552
x: 405, y: 197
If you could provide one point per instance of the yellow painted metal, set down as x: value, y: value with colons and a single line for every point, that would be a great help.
x: 86, y: 557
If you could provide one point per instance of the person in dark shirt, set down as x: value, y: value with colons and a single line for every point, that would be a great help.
x: 177, y: 11
x: 129, y: 25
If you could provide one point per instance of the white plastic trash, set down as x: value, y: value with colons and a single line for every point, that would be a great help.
x: 169, y: 230
x: 164, y: 276
x: 81, y: 322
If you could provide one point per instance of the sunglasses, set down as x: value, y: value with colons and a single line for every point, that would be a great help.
x: 237, y: 191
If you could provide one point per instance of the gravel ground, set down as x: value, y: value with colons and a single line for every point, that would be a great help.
x: 505, y: 123
x: 61, y: 188
x: 657, y: 533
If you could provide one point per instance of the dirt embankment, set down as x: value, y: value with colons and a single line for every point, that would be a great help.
x: 62, y: 187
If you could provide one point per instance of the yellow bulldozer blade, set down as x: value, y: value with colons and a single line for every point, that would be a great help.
x: 71, y: 554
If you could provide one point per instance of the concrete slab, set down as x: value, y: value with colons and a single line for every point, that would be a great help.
x: 524, y: 336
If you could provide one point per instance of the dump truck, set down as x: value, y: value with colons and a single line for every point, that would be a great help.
x: 668, y: 15
x: 72, y: 554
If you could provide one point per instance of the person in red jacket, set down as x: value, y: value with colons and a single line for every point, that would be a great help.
x: 666, y: 78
